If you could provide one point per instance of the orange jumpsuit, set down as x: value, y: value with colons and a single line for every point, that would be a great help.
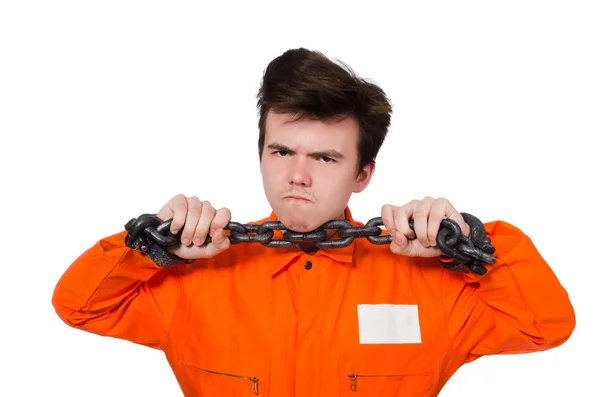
x: 353, y: 321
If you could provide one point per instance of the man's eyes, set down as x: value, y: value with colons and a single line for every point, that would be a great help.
x: 326, y: 159
x: 284, y: 153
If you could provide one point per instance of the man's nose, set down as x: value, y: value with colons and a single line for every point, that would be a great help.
x: 300, y: 171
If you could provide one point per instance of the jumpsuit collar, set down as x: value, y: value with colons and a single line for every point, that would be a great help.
x: 285, y: 256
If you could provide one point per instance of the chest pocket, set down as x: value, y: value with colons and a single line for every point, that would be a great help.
x: 373, y: 376
x: 225, y: 374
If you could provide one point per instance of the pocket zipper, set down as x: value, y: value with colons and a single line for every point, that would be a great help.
x: 354, y: 378
x: 252, y: 379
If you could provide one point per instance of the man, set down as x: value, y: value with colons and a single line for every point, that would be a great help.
x: 362, y: 320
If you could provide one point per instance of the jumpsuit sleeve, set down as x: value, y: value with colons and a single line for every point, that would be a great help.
x: 518, y: 306
x: 112, y: 290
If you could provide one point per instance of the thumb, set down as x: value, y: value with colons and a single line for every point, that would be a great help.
x: 219, y: 242
x: 400, y: 244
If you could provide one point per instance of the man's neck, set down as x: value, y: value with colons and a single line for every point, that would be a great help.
x: 310, y: 247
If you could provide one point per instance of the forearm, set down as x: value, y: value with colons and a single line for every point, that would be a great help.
x: 110, y: 287
x: 519, y: 303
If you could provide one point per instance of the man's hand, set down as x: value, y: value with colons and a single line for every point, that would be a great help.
x: 427, y: 216
x: 198, y: 220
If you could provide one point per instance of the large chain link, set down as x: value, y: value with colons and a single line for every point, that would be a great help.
x: 468, y: 253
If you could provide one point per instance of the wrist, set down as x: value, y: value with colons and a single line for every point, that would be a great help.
x: 467, y: 251
x: 138, y: 239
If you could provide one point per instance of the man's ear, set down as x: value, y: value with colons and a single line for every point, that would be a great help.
x: 364, y: 177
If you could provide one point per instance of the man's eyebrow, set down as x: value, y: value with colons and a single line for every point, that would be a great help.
x: 279, y: 146
x: 328, y: 153
x: 322, y: 153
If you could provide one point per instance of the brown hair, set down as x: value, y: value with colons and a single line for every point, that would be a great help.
x: 308, y: 84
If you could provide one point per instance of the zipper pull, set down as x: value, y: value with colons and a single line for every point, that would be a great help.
x: 255, y: 381
x: 352, y: 381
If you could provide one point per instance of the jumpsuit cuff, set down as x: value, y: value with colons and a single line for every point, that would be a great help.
x: 161, y: 256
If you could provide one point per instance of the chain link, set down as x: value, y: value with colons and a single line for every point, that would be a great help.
x: 468, y: 254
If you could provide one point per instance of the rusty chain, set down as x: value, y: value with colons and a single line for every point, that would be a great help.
x: 148, y: 233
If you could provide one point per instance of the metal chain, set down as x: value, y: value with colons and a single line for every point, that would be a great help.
x: 467, y: 253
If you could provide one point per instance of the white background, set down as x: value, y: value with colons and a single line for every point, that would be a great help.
x: 108, y: 109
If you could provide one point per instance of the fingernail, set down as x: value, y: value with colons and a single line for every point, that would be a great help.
x: 185, y: 241
x: 197, y: 241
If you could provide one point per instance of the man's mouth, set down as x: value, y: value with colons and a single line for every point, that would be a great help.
x: 297, y: 198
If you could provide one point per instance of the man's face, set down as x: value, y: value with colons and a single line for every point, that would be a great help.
x: 309, y: 169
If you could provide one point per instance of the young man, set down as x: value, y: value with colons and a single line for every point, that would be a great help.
x: 362, y: 320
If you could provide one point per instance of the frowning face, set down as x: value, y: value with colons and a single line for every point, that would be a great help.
x: 309, y: 169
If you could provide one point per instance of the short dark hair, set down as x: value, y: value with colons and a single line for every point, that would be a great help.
x: 309, y: 84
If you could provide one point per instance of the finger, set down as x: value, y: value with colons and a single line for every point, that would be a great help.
x: 401, y: 218
x: 387, y: 217
x: 191, y: 221
x: 206, y: 217
x: 178, y: 207
x: 221, y: 219
x: 219, y: 242
x: 421, y: 218
x: 452, y: 213
x: 400, y: 244
x: 436, y: 215
x: 165, y: 213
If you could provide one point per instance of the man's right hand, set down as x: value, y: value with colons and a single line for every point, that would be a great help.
x: 198, y: 220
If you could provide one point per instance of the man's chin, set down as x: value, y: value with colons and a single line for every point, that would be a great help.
x: 299, y: 224
x: 298, y: 227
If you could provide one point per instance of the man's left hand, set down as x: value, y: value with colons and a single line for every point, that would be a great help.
x: 427, y: 216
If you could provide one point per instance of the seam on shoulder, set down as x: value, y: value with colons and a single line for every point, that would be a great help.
x: 104, y: 279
